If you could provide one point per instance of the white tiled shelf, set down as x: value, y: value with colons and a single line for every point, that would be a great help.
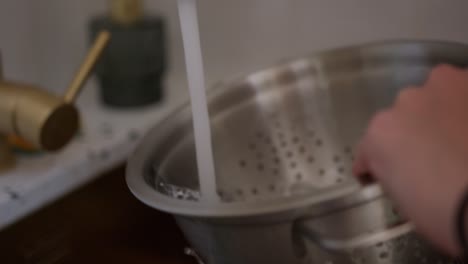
x: 107, y: 139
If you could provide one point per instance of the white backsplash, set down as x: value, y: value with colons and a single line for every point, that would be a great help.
x: 43, y: 41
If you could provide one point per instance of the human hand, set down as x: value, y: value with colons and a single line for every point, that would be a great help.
x: 418, y: 151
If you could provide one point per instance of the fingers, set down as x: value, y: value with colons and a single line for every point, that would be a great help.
x: 367, y: 151
x: 444, y: 79
x: 407, y: 96
x: 440, y: 74
x: 417, y: 148
x: 409, y: 110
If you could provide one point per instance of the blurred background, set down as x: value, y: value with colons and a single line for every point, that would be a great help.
x: 43, y: 42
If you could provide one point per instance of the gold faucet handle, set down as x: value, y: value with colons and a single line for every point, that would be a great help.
x: 87, y: 66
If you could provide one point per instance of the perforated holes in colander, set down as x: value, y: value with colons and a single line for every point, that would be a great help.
x: 283, y: 151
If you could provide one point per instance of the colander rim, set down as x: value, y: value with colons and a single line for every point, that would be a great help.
x: 148, y: 195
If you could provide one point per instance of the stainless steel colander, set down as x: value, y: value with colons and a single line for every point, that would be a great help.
x: 283, y: 143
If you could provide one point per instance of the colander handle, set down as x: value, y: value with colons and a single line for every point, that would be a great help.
x: 364, y: 240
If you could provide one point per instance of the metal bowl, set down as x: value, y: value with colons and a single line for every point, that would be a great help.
x: 283, y: 140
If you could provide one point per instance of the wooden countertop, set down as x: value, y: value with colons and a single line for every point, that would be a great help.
x: 100, y: 223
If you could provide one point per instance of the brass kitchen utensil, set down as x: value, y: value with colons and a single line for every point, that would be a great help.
x: 45, y: 120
